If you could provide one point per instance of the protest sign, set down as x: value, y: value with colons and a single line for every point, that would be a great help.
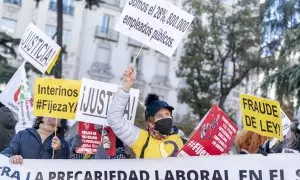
x: 56, y: 98
x: 10, y: 95
x: 246, y: 167
x: 286, y: 123
x: 37, y: 48
x: 95, y: 99
x: 91, y: 136
x: 155, y: 23
x: 261, y: 116
x: 213, y: 136
x: 26, y: 118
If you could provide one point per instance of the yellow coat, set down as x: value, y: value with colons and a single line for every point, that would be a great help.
x: 157, y: 148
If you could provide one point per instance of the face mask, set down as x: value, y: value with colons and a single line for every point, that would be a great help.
x: 164, y: 126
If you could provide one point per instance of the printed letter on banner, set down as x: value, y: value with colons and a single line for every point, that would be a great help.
x: 156, y: 23
x: 56, y: 98
x: 213, y: 136
x: 95, y: 99
x: 261, y: 116
x: 37, y: 48
x: 91, y: 136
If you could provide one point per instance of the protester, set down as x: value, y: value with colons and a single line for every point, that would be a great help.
x: 248, y: 142
x: 155, y: 142
x: 39, y: 142
x: 7, y: 126
x: 122, y: 152
x: 291, y: 145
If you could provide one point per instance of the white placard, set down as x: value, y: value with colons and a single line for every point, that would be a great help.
x: 286, y: 123
x: 155, y: 23
x: 95, y: 99
x: 37, y: 48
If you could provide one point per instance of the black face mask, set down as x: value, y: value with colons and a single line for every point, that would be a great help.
x: 164, y: 126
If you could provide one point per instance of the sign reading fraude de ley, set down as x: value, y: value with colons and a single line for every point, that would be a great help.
x: 38, y: 49
x: 156, y: 23
x: 95, y: 99
x: 261, y: 116
x: 56, y: 98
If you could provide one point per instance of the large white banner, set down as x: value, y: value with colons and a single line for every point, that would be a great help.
x: 238, y: 167
x: 38, y: 49
x: 156, y: 23
x: 95, y: 99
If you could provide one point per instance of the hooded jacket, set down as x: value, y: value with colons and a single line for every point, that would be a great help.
x: 7, y: 127
x: 140, y: 141
x: 28, y: 144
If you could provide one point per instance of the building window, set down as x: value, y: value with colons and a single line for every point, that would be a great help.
x: 107, y: 23
x: 103, y: 55
x: 106, y: 29
x: 137, y: 63
x: 51, y: 30
x: 162, y: 68
x: 68, y: 6
x: 8, y: 25
x: 14, y: 2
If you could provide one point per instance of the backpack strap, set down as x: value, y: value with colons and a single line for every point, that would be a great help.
x: 145, y: 147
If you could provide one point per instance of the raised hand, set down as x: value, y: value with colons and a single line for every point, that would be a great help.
x: 129, y: 78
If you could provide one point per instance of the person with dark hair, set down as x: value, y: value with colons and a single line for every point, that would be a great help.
x: 39, y: 142
x: 7, y: 126
x: 122, y: 152
x: 157, y: 141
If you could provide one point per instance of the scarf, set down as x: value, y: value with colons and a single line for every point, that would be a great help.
x: 156, y: 135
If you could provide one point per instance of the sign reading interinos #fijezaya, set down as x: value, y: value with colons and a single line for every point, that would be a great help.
x: 56, y: 98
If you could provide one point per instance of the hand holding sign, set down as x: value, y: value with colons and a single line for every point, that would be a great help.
x: 129, y: 77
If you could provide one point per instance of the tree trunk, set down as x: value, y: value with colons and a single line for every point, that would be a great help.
x: 59, y: 38
x: 222, y: 101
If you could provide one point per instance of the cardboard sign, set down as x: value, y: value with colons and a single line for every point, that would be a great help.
x: 213, y: 136
x: 155, y: 23
x: 95, y: 99
x: 91, y: 136
x: 261, y: 116
x: 56, y: 98
x: 286, y: 123
x: 37, y: 48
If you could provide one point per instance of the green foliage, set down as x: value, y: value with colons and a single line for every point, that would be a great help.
x: 222, y: 49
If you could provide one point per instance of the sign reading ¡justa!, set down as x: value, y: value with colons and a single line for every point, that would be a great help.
x: 56, y: 98
x: 261, y: 116
x: 156, y: 23
x: 38, y: 49
x: 95, y: 99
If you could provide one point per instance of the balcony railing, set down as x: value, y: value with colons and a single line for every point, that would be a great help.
x: 68, y: 10
x: 113, y: 2
x: 108, y: 34
x: 133, y: 42
x: 13, y: 2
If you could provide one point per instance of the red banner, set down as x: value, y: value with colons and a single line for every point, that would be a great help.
x: 213, y: 136
x: 91, y: 135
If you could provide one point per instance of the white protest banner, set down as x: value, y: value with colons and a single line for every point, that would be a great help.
x: 286, y: 123
x: 38, y: 49
x: 155, y: 23
x: 245, y: 167
x: 10, y: 95
x: 95, y: 99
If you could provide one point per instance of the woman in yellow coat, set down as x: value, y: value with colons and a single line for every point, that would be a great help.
x: 157, y: 141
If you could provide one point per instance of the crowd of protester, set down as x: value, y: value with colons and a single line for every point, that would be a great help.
x: 159, y: 139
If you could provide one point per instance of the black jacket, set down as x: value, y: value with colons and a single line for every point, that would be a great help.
x: 7, y: 127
